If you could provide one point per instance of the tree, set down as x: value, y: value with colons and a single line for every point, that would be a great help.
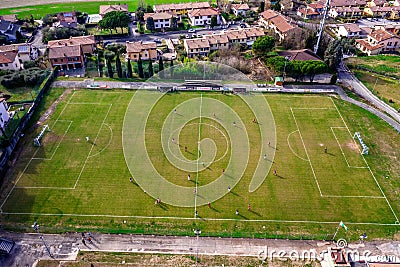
x: 118, y: 66
x: 312, y: 68
x: 161, y: 67
x: 149, y: 9
x: 140, y: 67
x: 110, y: 69
x: 48, y: 19
x: 151, y: 71
x: 263, y: 45
x: 150, y: 24
x: 139, y: 14
x: 115, y: 19
x: 129, y: 68
x: 261, y: 7
x: 174, y: 23
x: 333, y: 54
x: 213, y: 22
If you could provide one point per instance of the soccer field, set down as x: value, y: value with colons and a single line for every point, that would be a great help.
x: 276, y: 164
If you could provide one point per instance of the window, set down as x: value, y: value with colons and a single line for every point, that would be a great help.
x: 5, y: 64
x: 55, y: 60
x: 389, y: 43
x: 134, y: 56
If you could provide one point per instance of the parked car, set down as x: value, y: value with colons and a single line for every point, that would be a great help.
x: 187, y: 36
x: 191, y: 30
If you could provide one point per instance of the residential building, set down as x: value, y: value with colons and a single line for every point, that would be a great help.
x: 87, y: 43
x: 4, y: 115
x: 24, y: 51
x: 307, y: 13
x: 349, y: 30
x: 197, y: 47
x: 180, y: 9
x: 66, y: 19
x: 379, y: 41
x: 208, y: 43
x: 9, y: 61
x: 146, y: 50
x: 93, y: 19
x: 282, y: 26
x: 9, y: 29
x: 395, y: 14
x: 104, y: 9
x: 66, y: 57
x: 201, y: 17
x: 346, y: 12
x: 240, y: 9
x: 380, y: 11
x: 162, y: 20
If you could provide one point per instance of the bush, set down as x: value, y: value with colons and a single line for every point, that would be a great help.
x: 27, y: 77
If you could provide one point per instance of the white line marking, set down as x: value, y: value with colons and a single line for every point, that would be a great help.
x: 198, y: 157
x: 191, y: 218
x: 344, y: 156
x: 62, y: 138
x: 94, y: 142
x: 387, y: 201
x: 290, y: 147
x: 305, y: 149
x: 109, y: 142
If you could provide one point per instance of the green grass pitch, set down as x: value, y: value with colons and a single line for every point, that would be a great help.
x: 71, y: 177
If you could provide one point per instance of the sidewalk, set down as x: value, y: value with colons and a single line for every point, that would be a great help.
x: 29, y: 247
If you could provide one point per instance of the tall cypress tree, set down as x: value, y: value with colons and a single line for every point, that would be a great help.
x: 151, y: 71
x: 129, y: 68
x: 161, y: 67
x: 110, y: 69
x: 118, y: 65
x: 140, y: 67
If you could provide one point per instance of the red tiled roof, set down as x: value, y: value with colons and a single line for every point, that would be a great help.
x: 158, y: 16
x: 367, y: 45
x: 78, y: 40
x: 204, y: 12
x: 183, y: 6
x: 7, y: 57
x: 269, y: 14
x: 65, y: 51
x: 108, y: 8
x: 137, y: 47
x: 281, y: 24
x: 381, y: 35
x: 197, y: 43
x: 240, y: 6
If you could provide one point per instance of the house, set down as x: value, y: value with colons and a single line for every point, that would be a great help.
x: 349, y: 30
x: 180, y: 9
x: 266, y: 16
x: 9, y: 29
x: 93, y: 19
x: 377, y: 3
x: 87, y: 43
x: 395, y: 14
x: 66, y: 19
x: 201, y: 17
x: 66, y: 57
x: 70, y: 53
x: 146, y: 50
x: 379, y: 11
x: 196, y: 47
x: 379, y: 41
x: 282, y: 26
x: 9, y: 61
x: 348, y: 12
x: 4, y: 115
x: 24, y: 51
x: 208, y: 43
x: 162, y: 20
x: 307, y: 13
x: 104, y: 9
x: 240, y: 9
x: 302, y: 55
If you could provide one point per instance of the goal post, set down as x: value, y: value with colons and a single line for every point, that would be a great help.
x: 38, y: 138
x: 365, y: 149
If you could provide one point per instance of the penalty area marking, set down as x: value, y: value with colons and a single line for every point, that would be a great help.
x: 290, y: 147
x: 368, y: 167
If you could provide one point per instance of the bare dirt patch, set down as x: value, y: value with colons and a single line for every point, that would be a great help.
x: 352, y: 146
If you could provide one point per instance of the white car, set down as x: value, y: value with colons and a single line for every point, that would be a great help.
x: 191, y: 30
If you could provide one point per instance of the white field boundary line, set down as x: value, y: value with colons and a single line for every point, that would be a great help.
x: 305, y: 149
x: 62, y: 138
x: 198, y: 157
x: 344, y: 156
x: 91, y: 148
x: 290, y: 147
x: 376, y: 181
x: 191, y: 218
x: 109, y: 142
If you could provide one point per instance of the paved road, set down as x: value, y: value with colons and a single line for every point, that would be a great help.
x: 350, y: 80
x: 29, y: 247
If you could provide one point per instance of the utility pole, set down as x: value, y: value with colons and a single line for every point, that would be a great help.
x: 36, y: 227
x: 322, y: 25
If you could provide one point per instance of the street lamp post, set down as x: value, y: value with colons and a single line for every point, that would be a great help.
x: 36, y: 227
x: 197, y: 232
